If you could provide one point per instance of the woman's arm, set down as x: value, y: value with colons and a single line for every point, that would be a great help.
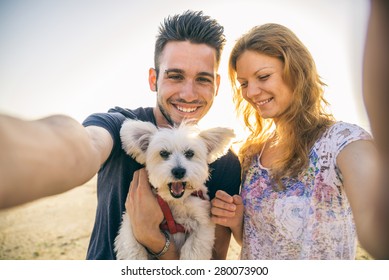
x: 359, y: 165
x: 376, y: 98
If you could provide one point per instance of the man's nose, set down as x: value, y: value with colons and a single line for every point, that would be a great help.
x: 189, y: 91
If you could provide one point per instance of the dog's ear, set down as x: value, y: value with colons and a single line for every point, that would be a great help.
x: 218, y: 141
x: 135, y: 136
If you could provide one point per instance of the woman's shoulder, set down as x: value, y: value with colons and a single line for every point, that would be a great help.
x: 340, y: 134
x: 343, y: 130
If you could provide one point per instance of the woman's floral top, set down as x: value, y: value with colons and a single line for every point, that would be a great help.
x: 311, y: 218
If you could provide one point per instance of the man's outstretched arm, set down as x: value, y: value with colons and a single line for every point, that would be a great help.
x: 47, y: 156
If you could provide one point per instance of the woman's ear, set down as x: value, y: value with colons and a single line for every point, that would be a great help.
x: 153, y: 79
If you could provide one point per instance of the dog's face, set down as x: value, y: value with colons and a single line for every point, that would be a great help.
x: 176, y: 159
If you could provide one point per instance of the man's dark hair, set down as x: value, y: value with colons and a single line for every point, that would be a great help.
x: 193, y: 27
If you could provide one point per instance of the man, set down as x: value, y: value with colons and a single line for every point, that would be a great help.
x: 63, y: 154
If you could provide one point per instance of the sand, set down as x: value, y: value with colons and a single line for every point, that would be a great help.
x: 59, y: 227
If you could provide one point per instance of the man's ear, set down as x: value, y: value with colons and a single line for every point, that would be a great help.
x: 153, y: 79
x: 217, y: 84
x: 136, y: 136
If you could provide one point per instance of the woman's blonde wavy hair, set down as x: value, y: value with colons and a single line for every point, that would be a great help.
x: 303, y: 122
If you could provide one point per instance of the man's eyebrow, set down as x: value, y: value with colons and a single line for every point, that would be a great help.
x: 174, y: 70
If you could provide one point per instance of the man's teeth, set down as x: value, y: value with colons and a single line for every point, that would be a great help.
x: 265, y: 101
x: 186, y: 110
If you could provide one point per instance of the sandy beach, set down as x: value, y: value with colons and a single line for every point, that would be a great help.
x: 59, y: 227
x: 54, y: 228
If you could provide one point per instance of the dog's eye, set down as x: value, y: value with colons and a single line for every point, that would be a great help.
x: 164, y: 154
x: 189, y: 154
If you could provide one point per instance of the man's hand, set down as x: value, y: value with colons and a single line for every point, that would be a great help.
x: 143, y: 209
x: 146, y: 215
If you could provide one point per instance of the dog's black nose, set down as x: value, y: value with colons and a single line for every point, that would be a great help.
x: 178, y: 172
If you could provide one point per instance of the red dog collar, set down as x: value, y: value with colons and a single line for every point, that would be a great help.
x: 169, y: 223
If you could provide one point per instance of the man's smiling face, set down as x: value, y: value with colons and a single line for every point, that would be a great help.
x: 187, y: 82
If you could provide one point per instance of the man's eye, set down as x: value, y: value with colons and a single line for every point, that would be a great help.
x: 189, y: 154
x: 204, y: 80
x: 175, y: 77
x: 164, y: 154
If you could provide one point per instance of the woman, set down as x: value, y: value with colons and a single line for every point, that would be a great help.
x: 305, y: 176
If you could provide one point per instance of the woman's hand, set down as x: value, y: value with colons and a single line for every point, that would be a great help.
x: 227, y: 211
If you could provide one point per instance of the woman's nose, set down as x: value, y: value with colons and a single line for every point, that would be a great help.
x: 253, y: 90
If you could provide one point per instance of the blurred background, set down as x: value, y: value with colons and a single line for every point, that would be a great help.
x: 80, y: 57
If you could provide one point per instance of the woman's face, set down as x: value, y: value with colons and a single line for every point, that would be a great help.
x: 262, y: 84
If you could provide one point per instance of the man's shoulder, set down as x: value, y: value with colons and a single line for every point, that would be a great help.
x: 225, y: 175
x: 141, y: 113
x: 113, y: 119
x: 228, y: 161
x: 118, y: 115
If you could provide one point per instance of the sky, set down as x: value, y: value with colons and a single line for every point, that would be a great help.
x: 81, y: 57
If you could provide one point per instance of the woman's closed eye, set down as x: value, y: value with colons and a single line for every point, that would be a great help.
x: 243, y: 84
x: 263, y: 77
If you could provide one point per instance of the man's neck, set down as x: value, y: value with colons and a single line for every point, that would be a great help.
x: 160, y: 119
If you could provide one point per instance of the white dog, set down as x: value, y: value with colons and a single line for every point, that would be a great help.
x: 177, y: 161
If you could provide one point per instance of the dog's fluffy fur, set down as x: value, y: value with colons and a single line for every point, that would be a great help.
x: 174, y: 156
